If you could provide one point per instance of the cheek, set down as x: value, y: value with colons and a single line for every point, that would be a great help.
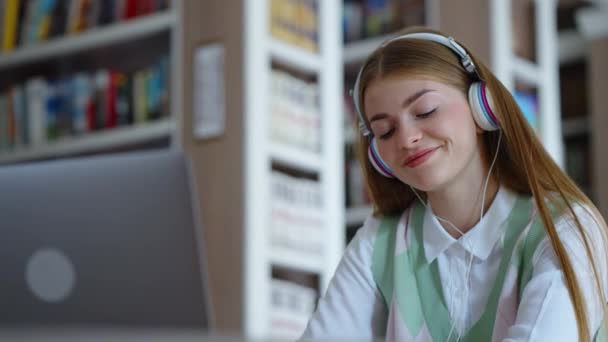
x: 459, y: 122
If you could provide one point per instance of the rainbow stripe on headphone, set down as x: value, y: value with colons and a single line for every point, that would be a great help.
x: 486, y: 108
x: 376, y: 160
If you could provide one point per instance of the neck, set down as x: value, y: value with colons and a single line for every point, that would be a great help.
x: 461, y: 204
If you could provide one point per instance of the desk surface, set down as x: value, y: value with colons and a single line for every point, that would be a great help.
x: 110, y: 335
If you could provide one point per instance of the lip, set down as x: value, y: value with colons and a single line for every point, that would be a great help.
x: 420, y: 157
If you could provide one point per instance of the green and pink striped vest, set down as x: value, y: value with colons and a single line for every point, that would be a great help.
x: 412, y: 290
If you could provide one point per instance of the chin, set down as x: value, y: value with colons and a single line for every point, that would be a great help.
x: 427, y: 182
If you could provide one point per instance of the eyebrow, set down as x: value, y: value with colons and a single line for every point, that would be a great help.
x: 406, y: 103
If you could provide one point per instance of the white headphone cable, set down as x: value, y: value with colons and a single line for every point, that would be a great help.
x: 483, y: 198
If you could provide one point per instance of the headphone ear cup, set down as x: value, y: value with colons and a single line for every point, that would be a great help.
x: 481, y: 102
x: 376, y: 160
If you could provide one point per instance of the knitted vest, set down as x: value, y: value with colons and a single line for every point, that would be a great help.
x: 411, y: 287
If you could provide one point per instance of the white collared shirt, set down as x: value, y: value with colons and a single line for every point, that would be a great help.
x: 353, y: 308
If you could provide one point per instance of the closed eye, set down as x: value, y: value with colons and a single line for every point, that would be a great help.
x: 424, y: 115
x: 388, y: 134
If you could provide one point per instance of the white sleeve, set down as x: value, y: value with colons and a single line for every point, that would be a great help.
x: 546, y: 312
x: 352, y: 309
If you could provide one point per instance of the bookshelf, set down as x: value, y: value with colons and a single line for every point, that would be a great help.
x: 93, y: 142
x: 266, y: 158
x: 65, y: 61
x: 94, y: 38
x: 532, y: 61
x: 293, y: 56
x: 295, y: 157
x: 592, y: 28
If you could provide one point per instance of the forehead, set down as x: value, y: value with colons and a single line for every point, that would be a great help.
x: 394, y: 90
x: 409, y: 83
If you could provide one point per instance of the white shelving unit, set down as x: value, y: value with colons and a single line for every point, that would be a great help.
x: 571, y: 46
x: 261, y: 152
x: 544, y: 74
x: 295, y: 57
x: 286, y: 258
x: 301, y: 159
x: 102, y: 37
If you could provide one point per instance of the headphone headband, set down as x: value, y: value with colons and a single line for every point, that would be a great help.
x: 448, y: 42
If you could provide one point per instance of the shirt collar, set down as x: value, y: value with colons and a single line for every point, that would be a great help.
x: 480, y: 240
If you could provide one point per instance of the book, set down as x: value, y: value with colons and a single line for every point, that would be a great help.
x: 11, y: 21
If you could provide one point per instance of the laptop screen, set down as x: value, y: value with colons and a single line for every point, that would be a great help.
x: 109, y: 240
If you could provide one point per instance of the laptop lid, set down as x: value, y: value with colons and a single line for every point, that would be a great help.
x: 109, y: 240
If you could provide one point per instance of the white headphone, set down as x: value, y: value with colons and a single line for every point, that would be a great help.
x: 480, y: 98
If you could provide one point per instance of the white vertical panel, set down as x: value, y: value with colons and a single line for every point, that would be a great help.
x: 547, y: 54
x: 501, y: 44
x: 257, y: 170
x: 332, y: 132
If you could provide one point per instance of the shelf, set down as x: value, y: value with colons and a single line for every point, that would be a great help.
x: 295, y: 157
x: 287, y: 258
x: 575, y: 126
x: 592, y: 21
x: 94, y: 38
x: 571, y: 46
x: 357, y: 215
x: 294, y: 56
x: 358, y: 51
x: 526, y: 71
x: 103, y: 140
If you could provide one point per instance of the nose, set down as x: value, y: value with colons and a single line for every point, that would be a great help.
x: 410, y: 135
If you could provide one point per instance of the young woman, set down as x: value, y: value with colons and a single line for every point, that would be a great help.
x: 477, y: 235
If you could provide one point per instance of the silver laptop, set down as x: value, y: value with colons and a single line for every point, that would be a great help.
x: 108, y: 241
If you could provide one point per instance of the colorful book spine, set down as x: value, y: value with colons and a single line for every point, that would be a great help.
x: 11, y: 22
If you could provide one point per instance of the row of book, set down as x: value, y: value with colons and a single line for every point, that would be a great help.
x: 369, y: 18
x: 291, y: 307
x: 25, y: 22
x: 301, y: 192
x: 42, y: 110
x: 296, y: 217
x: 295, y: 116
x: 295, y: 22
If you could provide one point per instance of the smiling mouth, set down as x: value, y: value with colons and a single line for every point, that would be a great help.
x: 421, y: 158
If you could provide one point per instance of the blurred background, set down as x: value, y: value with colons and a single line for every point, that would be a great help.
x: 256, y: 94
